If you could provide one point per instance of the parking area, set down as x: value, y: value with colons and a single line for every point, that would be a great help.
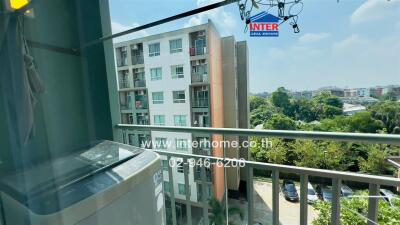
x: 289, y: 211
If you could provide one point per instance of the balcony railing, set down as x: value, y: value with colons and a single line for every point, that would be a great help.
x: 141, y: 104
x: 143, y: 122
x: 137, y: 59
x: 140, y: 83
x: 337, y: 177
x: 197, y: 51
x: 199, y: 78
x: 200, y: 103
x: 124, y: 84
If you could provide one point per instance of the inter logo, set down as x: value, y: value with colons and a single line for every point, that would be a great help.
x: 264, y: 25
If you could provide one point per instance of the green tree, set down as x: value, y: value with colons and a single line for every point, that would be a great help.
x: 327, y: 105
x: 261, y: 114
x: 353, y: 211
x: 319, y: 154
x: 303, y: 110
x: 256, y: 102
x: 280, y: 122
x: 218, y: 213
x: 271, y: 150
x: 375, y: 162
x: 389, y: 113
x: 364, y: 122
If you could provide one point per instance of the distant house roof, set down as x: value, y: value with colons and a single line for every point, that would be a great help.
x: 350, y: 108
x: 264, y: 17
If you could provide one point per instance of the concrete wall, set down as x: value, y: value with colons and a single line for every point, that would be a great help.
x: 216, y: 102
x: 243, y: 97
x: 230, y: 105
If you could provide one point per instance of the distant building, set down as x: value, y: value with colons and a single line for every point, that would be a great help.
x: 302, y: 95
x: 363, y: 92
x: 350, y: 93
x: 376, y: 92
x: 359, y: 100
x: 339, y: 92
x: 350, y: 109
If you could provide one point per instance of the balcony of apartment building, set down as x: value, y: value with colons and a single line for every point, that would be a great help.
x: 141, y: 99
x: 198, y: 44
x: 139, y: 80
x: 203, y: 145
x: 142, y: 119
x: 200, y: 97
x: 201, y: 119
x: 127, y: 118
x: 123, y: 78
x: 199, y: 71
x: 137, y: 54
x: 121, y: 54
x: 125, y: 101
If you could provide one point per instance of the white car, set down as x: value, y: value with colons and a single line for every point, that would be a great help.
x: 311, y: 194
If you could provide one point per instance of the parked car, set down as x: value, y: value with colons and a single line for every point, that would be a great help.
x: 324, y: 193
x: 388, y: 195
x: 289, y: 191
x: 346, y: 191
x: 312, y: 196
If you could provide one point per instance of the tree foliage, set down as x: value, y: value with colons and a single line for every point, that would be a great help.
x: 353, y: 211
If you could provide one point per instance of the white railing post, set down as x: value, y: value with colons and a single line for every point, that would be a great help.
x: 275, y: 197
x: 373, y: 204
x: 336, y: 190
x: 303, y: 199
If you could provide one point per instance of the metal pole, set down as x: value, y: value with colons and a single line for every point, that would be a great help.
x: 162, y: 21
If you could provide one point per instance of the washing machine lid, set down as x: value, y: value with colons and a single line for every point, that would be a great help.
x: 55, y: 184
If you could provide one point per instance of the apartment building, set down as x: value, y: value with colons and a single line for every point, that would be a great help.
x: 186, y: 77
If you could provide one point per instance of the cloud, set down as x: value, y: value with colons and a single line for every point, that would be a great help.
x: 225, y: 21
x: 350, y: 42
x: 118, y: 27
x: 313, y: 37
x: 376, y: 10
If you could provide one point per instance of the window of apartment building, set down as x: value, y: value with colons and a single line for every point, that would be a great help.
x: 178, y: 96
x: 179, y: 120
x: 159, y: 120
x: 154, y: 49
x: 175, y: 46
x: 177, y: 72
x: 181, y: 189
x: 167, y: 187
x: 160, y: 143
x: 156, y: 73
x: 181, y: 144
x: 165, y: 165
x: 158, y: 97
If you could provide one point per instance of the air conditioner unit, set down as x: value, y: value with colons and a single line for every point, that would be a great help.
x: 135, y: 47
x: 201, y: 33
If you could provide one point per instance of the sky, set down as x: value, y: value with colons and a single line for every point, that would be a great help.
x: 353, y: 43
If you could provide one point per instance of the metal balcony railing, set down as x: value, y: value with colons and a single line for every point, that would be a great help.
x: 199, y: 77
x: 197, y: 51
x: 140, y: 83
x: 124, y: 84
x: 137, y: 59
x: 337, y: 177
x: 200, y: 103
x: 141, y: 104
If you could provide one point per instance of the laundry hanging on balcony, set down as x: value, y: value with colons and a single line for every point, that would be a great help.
x: 19, y: 79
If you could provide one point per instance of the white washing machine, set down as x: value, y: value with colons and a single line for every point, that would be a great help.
x: 106, y: 183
